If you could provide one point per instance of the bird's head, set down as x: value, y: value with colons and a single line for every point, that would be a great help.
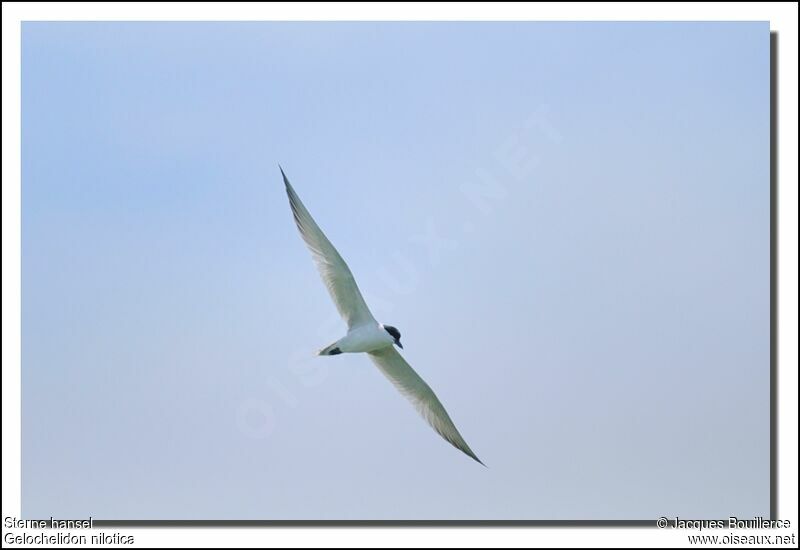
x: 394, y: 333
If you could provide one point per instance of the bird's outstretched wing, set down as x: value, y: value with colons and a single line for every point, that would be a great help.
x: 414, y: 388
x: 334, y: 271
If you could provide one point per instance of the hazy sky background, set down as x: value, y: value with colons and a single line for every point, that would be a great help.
x: 569, y: 223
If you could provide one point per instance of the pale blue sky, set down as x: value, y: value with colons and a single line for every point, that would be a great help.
x: 569, y: 223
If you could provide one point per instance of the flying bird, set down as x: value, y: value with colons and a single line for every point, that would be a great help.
x: 364, y: 333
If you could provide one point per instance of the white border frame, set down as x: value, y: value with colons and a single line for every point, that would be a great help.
x: 783, y: 20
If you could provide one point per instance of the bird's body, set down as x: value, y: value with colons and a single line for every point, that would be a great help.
x: 361, y: 339
x: 365, y: 334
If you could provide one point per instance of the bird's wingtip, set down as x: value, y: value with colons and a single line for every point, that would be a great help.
x: 467, y: 451
x: 283, y: 174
